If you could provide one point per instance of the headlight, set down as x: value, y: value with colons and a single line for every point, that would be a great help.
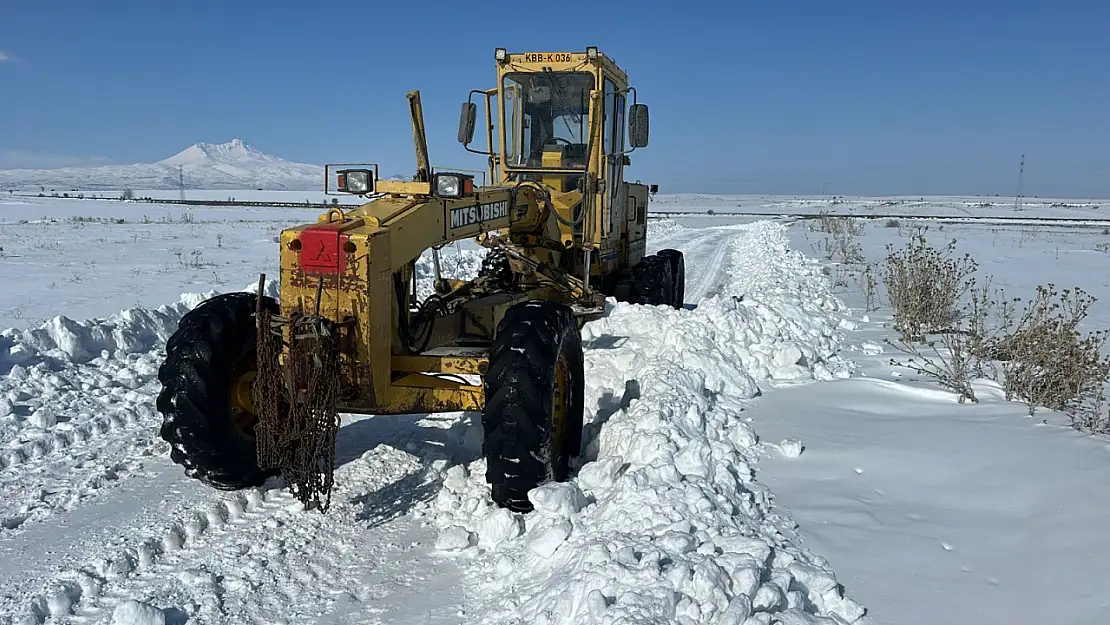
x: 356, y: 181
x: 453, y: 185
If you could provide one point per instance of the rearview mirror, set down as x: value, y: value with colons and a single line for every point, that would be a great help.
x: 466, y: 122
x: 638, y: 125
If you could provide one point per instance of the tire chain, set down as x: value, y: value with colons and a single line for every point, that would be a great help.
x: 298, y: 421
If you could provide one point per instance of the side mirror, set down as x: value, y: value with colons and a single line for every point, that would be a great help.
x: 638, y: 125
x: 466, y: 122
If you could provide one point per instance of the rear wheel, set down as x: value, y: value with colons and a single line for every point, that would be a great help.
x: 208, y: 415
x: 534, y: 392
x: 652, y: 282
x: 496, y: 267
x: 678, y: 271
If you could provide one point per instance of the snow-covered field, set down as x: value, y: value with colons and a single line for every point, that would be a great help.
x: 755, y: 460
x: 907, y: 206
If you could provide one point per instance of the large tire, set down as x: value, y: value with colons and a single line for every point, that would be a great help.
x: 213, y: 345
x: 652, y: 282
x: 678, y: 271
x: 496, y: 267
x: 531, y: 428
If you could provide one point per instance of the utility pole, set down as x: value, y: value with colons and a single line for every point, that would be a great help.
x: 181, y: 181
x: 1021, y: 184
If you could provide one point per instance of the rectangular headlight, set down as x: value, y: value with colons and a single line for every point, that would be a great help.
x: 452, y: 185
x: 355, y: 181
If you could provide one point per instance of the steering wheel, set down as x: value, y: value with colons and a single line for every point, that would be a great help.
x: 558, y: 139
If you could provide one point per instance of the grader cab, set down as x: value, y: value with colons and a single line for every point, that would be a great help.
x: 254, y: 386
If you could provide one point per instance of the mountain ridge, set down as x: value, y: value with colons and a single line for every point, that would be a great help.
x: 233, y: 164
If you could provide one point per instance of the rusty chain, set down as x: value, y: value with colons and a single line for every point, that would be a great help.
x: 298, y: 421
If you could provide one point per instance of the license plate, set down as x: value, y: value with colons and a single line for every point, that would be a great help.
x: 547, y: 57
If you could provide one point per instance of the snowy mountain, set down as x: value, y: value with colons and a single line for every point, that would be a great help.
x: 231, y: 165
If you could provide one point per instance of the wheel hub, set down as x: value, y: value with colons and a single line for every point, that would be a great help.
x: 242, y: 402
x: 560, y: 406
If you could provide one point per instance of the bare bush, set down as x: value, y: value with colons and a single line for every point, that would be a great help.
x: 956, y: 356
x: 925, y: 285
x: 869, y: 288
x: 892, y: 223
x: 1091, y: 415
x: 1039, y: 356
x: 841, y: 245
x: 949, y: 360
x: 865, y: 280
x: 836, y: 224
x: 1046, y: 360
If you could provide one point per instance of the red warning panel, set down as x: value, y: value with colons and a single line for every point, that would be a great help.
x: 322, y: 250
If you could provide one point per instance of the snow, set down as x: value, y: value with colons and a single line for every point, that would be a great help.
x: 754, y: 460
x: 667, y: 518
x: 133, y: 612
x: 898, y: 206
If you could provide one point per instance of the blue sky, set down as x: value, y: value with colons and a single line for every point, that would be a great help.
x: 867, y: 97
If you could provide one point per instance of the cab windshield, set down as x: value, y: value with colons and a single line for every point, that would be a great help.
x: 546, y: 111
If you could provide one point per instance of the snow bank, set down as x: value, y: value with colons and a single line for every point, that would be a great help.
x: 663, y: 228
x: 132, y: 331
x: 666, y: 521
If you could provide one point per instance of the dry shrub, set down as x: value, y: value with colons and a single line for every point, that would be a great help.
x: 1046, y: 360
x: 1039, y: 356
x: 955, y: 357
x: 925, y: 285
x: 841, y: 245
x: 836, y: 224
x: 866, y: 280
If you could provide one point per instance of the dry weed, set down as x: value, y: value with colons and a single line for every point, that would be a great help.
x: 925, y: 285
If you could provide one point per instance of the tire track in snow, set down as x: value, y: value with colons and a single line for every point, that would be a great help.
x: 254, y: 556
x: 84, y: 434
x: 707, y: 279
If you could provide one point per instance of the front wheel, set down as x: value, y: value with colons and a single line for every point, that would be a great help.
x: 208, y: 416
x: 534, y: 390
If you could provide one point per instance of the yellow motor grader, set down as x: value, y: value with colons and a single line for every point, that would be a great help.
x: 253, y: 386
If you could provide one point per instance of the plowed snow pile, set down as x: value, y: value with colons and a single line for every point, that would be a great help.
x: 666, y: 523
